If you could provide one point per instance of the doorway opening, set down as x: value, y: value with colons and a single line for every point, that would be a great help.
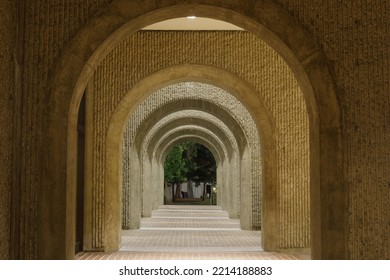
x: 190, y: 175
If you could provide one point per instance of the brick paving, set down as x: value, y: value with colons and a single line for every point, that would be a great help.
x: 191, y: 233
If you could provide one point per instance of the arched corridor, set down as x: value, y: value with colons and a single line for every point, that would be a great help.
x: 196, y: 114
x: 203, y: 103
x: 312, y: 75
x: 283, y: 138
x: 291, y: 99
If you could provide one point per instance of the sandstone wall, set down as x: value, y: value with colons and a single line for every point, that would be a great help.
x: 355, y: 36
x: 48, y: 26
x: 7, y: 70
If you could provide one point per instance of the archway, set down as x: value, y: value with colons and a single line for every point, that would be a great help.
x: 206, y: 112
x: 237, y: 87
x: 203, y: 119
x: 204, y: 74
x: 171, y: 138
x: 199, y: 167
x: 328, y: 194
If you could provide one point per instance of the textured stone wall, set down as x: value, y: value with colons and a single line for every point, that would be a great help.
x: 48, y: 26
x: 245, y: 55
x: 7, y: 46
x: 355, y: 36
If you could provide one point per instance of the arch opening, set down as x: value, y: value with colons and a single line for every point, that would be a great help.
x: 190, y: 172
x: 199, y: 118
x: 307, y: 64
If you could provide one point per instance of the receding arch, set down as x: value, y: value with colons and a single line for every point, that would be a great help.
x: 187, y: 131
x: 219, y: 158
x: 192, y: 104
x: 223, y: 166
x: 179, y: 121
x: 159, y: 149
x: 217, y: 134
x: 206, y: 105
x: 183, y: 117
x: 206, y: 74
x: 264, y: 18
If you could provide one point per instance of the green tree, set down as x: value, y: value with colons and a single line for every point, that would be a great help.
x: 189, y: 161
x: 175, y: 169
x: 201, y: 166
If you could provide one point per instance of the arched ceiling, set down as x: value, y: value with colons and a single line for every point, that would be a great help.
x: 189, y: 130
x: 203, y: 108
x: 188, y: 117
x: 194, y: 91
x: 164, y: 150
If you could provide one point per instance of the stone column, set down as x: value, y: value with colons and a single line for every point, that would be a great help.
x: 246, y: 191
x: 89, y: 158
x: 223, y: 193
x: 161, y: 182
x: 147, y: 187
x: 135, y: 191
x: 233, y: 194
x: 156, y: 190
x: 219, y: 182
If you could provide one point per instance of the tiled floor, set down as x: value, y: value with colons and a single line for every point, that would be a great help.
x: 189, y: 232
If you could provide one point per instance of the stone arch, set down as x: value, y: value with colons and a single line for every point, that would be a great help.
x: 187, y: 117
x: 179, y: 119
x: 219, y: 158
x: 219, y: 102
x: 222, y: 164
x: 264, y: 18
x: 229, y: 165
x: 198, y: 105
x: 234, y: 85
x: 205, y: 127
x: 194, y: 138
x: 205, y: 133
x: 157, y: 148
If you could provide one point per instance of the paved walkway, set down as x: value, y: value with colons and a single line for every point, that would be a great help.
x: 189, y: 232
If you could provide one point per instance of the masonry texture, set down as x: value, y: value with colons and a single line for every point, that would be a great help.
x: 48, y: 26
x: 355, y: 38
x: 248, y: 57
x: 7, y: 45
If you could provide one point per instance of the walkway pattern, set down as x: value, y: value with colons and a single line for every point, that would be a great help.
x: 189, y: 232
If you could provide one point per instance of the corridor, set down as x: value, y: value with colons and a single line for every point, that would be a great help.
x: 189, y: 232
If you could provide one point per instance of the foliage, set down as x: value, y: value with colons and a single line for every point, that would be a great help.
x: 175, y: 169
x: 190, y: 161
x: 201, y: 166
